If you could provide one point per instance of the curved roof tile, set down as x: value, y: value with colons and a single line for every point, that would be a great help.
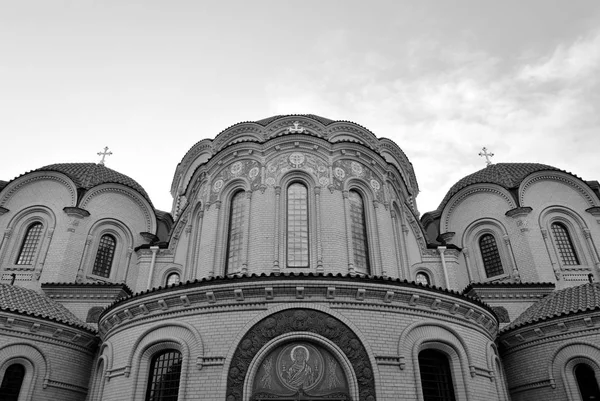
x: 89, y: 175
x: 564, y: 302
x: 24, y: 301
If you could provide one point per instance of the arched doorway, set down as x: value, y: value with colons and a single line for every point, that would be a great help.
x: 297, y: 366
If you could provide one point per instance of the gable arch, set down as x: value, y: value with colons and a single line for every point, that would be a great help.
x: 581, y: 188
x: 464, y: 193
x: 14, y: 186
x: 145, y: 207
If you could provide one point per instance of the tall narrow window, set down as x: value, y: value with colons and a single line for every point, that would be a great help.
x: 490, y: 255
x: 586, y: 381
x: 564, y: 244
x: 30, y: 244
x: 12, y: 382
x: 236, y: 232
x: 436, y: 376
x: 360, y: 245
x: 165, y: 371
x: 297, y: 225
x: 105, y: 256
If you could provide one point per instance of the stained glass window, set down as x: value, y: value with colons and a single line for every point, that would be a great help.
x: 564, y: 244
x: 359, y: 232
x: 30, y: 244
x: 422, y: 278
x: 12, y: 382
x: 163, y: 381
x: 490, y: 255
x: 172, y: 279
x: 105, y: 256
x: 236, y: 232
x: 436, y: 376
x: 297, y: 225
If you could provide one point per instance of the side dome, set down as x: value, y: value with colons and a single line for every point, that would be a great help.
x: 507, y: 175
x: 88, y: 175
x: 28, y: 302
x: 560, y: 303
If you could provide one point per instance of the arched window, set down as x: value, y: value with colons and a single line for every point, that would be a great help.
x: 490, y: 255
x: 163, y: 381
x: 12, y: 382
x: 235, y: 237
x: 436, y: 376
x: 360, y: 244
x: 586, y: 381
x: 422, y: 278
x: 297, y: 225
x: 30, y: 244
x: 105, y: 256
x: 172, y: 279
x: 564, y: 244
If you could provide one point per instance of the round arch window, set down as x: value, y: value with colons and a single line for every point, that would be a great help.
x: 422, y: 278
x: 173, y: 279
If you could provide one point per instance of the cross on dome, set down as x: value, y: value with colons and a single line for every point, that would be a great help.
x: 104, y: 154
x: 487, y: 155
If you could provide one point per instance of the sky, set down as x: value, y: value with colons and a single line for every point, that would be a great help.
x: 441, y: 78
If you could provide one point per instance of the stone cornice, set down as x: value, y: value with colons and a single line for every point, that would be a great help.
x: 104, y: 292
x: 594, y: 211
x: 261, y: 291
x: 519, y: 212
x: 76, y: 212
x: 554, y: 329
x: 29, y: 326
x: 3, y: 210
x: 510, y: 291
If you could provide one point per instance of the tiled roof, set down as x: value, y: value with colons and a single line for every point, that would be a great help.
x: 507, y: 175
x: 24, y: 301
x: 564, y: 302
x: 266, y: 121
x: 89, y: 175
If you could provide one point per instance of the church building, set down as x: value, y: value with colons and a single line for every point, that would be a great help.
x: 295, y: 264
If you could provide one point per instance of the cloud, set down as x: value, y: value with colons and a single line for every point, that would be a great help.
x: 442, y: 104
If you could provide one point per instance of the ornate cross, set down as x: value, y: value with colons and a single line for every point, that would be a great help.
x: 487, y: 155
x: 297, y: 129
x: 104, y: 154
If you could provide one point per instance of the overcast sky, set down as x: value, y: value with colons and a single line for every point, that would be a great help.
x: 442, y: 78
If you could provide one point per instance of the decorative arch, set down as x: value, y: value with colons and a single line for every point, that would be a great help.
x: 579, y: 234
x: 180, y: 336
x: 423, y: 335
x: 464, y: 193
x: 301, y: 322
x: 122, y: 254
x: 583, y: 190
x: 145, y: 207
x: 170, y: 270
x: 15, y: 234
x: 565, y: 358
x: 35, y: 362
x: 11, y: 189
x: 471, y: 242
x: 421, y: 268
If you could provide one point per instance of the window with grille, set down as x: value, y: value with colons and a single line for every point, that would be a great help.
x: 172, y: 279
x: 360, y: 244
x: 297, y: 225
x: 422, y: 278
x: 12, y: 382
x: 586, y: 381
x: 436, y: 376
x: 490, y: 255
x: 163, y: 381
x: 564, y: 244
x: 236, y: 232
x: 105, y: 256
x: 30, y: 244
